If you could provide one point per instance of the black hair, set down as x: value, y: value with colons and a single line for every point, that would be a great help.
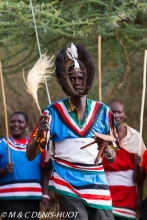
x: 21, y: 113
x: 116, y: 100
x: 61, y: 61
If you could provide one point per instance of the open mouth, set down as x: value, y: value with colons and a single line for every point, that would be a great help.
x: 117, y: 120
x: 15, y: 129
x: 78, y: 89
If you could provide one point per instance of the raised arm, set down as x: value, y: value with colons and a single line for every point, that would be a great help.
x: 38, y: 138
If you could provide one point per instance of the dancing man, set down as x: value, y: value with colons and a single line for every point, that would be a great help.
x: 78, y: 178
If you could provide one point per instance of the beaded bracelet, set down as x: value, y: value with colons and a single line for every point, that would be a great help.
x: 46, y: 196
x: 39, y: 139
x: 110, y: 157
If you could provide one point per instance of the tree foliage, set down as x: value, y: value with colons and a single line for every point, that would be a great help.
x: 61, y: 21
x: 122, y: 24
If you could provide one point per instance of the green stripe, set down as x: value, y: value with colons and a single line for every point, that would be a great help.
x: 98, y: 206
x: 74, y: 116
x: 125, y: 217
x: 21, y: 198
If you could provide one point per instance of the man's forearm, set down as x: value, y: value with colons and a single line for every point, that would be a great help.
x: 46, y: 172
x: 32, y: 150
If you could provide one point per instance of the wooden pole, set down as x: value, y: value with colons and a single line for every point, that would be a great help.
x: 99, y: 70
x: 143, y: 100
x: 5, y: 112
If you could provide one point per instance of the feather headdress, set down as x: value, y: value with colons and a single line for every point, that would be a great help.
x: 37, y: 75
x: 73, y: 55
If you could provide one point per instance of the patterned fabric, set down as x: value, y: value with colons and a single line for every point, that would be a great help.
x: 120, y: 176
x: 98, y: 118
x: 25, y: 181
x: 80, y: 181
x: 74, y: 172
x: 75, y: 114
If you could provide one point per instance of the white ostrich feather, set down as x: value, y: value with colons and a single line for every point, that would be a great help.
x: 37, y: 75
x: 73, y: 55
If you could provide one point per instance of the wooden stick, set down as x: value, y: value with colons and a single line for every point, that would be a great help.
x: 87, y: 145
x: 143, y: 100
x: 99, y: 70
x: 5, y: 112
x: 101, y: 148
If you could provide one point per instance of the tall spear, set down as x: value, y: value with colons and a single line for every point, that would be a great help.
x: 39, y: 48
x: 99, y: 70
x: 5, y: 112
x: 37, y: 38
x: 143, y: 100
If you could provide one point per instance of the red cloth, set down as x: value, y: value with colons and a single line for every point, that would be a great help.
x: 123, y: 195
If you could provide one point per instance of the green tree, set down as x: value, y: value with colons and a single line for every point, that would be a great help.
x: 121, y: 24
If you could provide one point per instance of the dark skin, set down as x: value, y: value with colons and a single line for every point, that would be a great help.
x: 17, y: 127
x: 45, y: 174
x: 76, y: 79
x: 118, y: 109
x: 79, y: 101
x: 139, y: 177
x: 120, y: 114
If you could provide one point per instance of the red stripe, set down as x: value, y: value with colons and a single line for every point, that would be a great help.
x: 21, y: 189
x: 60, y: 109
x: 110, y: 119
x: 124, y: 212
x: 19, y: 148
x: 119, y: 198
x: 75, y: 166
x: 85, y: 196
x: 93, y: 115
x: 43, y: 159
x: 31, y: 137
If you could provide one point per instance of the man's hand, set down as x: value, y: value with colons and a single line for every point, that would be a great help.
x: 109, y: 153
x: 106, y: 149
x: 9, y: 168
x: 43, y: 125
x: 101, y: 145
x: 45, y: 205
x: 137, y: 160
